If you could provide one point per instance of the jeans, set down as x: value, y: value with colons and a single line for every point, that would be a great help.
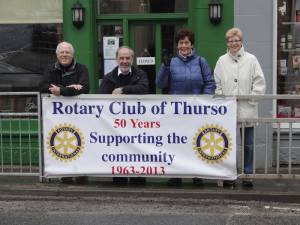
x: 248, y: 149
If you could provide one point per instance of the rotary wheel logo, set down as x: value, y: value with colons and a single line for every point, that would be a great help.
x: 65, y: 142
x: 212, y: 143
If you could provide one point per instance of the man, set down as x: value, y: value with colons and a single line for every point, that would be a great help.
x: 66, y: 77
x: 125, y: 79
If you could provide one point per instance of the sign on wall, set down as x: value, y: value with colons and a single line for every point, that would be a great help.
x: 110, y: 47
x: 185, y: 136
x: 145, y: 61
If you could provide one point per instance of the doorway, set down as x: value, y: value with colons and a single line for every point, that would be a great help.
x: 155, y: 41
x: 152, y: 41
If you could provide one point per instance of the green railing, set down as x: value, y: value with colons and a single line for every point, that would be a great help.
x: 20, y: 133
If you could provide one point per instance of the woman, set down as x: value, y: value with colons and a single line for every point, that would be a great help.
x: 239, y: 73
x: 187, y: 73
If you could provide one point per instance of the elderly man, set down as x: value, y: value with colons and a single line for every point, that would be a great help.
x: 66, y: 77
x: 125, y: 79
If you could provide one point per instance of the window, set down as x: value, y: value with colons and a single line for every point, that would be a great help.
x: 23, y: 60
x: 113, y: 33
x: 29, y: 33
x: 288, y: 56
x: 141, y: 6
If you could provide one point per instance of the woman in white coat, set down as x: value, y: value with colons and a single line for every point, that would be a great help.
x: 239, y: 73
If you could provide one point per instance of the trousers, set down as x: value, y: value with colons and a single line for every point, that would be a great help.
x: 248, y: 149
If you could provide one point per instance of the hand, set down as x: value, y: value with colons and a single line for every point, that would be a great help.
x: 166, y: 60
x: 55, y: 90
x: 166, y: 57
x: 117, y: 91
x: 75, y: 86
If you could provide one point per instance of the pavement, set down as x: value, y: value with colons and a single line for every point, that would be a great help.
x: 26, y: 187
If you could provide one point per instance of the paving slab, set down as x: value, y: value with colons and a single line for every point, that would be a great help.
x: 263, y: 190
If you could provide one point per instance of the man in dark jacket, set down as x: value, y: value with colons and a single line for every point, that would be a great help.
x: 66, y: 77
x: 125, y: 79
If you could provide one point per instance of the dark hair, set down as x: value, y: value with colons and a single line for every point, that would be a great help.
x: 182, y: 33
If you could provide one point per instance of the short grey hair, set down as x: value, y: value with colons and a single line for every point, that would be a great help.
x: 67, y: 44
x: 125, y: 47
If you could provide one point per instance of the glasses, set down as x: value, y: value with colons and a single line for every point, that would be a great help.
x: 233, y: 41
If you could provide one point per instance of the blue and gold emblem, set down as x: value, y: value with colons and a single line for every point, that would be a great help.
x: 65, y: 142
x: 212, y: 143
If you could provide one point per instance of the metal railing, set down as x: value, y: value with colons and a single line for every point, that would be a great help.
x: 274, y: 139
x: 20, y: 134
x: 269, y: 145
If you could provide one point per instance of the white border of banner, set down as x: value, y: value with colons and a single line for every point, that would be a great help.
x: 149, y: 135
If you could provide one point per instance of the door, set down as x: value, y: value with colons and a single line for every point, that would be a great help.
x: 109, y: 38
x: 154, y: 41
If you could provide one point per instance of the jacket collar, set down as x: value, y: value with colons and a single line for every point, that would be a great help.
x: 187, y: 58
x: 113, y: 75
x: 238, y: 55
x: 120, y: 72
x: 66, y: 70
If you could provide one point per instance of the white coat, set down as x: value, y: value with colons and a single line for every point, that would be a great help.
x: 240, y: 75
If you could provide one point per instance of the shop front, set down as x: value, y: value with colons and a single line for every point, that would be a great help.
x: 271, y: 31
x: 150, y: 40
x: 148, y: 27
x: 286, y: 73
x: 288, y: 56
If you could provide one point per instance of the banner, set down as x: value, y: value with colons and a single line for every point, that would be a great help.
x: 151, y: 135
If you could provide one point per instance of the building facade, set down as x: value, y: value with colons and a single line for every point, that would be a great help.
x: 270, y: 27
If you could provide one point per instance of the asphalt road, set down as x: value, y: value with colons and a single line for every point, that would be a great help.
x: 35, y: 210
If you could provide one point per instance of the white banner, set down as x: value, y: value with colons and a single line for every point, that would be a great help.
x: 151, y: 135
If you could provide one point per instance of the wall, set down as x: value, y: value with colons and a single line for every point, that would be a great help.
x: 255, y: 19
x: 210, y: 38
x: 83, y: 39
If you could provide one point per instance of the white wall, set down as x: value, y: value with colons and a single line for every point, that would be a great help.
x: 255, y: 19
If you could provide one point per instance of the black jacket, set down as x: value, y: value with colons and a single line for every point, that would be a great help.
x: 60, y: 76
x: 135, y: 83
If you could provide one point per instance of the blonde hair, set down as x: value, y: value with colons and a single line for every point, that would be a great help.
x: 234, y: 32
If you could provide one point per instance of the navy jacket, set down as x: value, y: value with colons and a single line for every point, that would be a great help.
x: 60, y: 76
x: 135, y: 83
